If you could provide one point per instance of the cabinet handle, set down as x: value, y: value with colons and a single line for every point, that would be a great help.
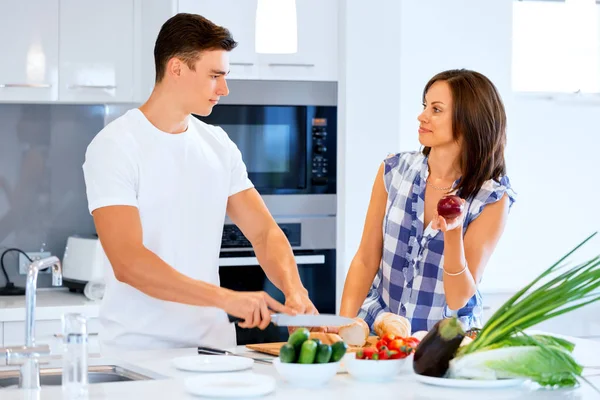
x: 26, y: 85
x: 108, y: 87
x: 243, y: 64
x: 290, y: 65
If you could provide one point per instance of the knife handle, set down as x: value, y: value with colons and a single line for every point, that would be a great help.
x: 234, y: 320
x: 213, y: 351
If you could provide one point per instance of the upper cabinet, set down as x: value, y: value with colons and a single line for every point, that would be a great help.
x: 90, y: 51
x: 96, y: 51
x: 29, y: 48
x: 316, y: 59
x: 238, y: 16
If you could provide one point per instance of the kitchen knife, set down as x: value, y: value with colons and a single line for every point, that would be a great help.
x: 305, y: 320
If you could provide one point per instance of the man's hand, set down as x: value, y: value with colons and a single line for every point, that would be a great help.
x: 254, y: 308
x: 300, y: 302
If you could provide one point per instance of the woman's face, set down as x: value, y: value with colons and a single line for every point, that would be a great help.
x: 435, y: 122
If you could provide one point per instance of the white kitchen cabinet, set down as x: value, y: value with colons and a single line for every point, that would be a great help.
x: 48, y: 332
x: 238, y: 16
x: 29, y: 48
x: 96, y: 51
x: 317, y: 56
x: 316, y: 59
x: 150, y: 16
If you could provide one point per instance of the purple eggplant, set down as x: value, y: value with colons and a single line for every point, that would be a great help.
x: 432, y: 356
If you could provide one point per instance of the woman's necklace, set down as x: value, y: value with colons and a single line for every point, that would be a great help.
x: 437, y: 187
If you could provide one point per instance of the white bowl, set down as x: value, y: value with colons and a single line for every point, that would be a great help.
x: 306, y: 375
x: 377, y: 370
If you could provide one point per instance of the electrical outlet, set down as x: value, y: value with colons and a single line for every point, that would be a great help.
x: 24, y: 262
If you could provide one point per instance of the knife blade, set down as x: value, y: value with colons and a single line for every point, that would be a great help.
x: 310, y: 320
x: 219, y: 352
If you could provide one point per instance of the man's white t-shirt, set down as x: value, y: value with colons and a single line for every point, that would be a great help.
x: 180, y: 184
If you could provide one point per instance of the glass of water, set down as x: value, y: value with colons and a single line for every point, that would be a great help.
x: 75, y: 356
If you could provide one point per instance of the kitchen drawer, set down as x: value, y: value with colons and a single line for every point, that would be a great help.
x: 48, y: 332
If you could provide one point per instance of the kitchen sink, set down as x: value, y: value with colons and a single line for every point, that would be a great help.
x: 96, y: 374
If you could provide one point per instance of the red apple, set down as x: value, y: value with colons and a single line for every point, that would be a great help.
x: 450, y: 207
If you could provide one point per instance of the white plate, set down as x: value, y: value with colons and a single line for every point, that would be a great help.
x: 470, y: 383
x: 206, y: 363
x: 241, y: 384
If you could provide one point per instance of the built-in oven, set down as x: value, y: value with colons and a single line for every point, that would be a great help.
x: 313, y: 244
x: 287, y: 149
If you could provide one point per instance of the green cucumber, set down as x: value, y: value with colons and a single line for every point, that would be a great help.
x: 298, y: 337
x: 338, y: 349
x: 308, y: 352
x: 323, y: 354
x: 287, y: 353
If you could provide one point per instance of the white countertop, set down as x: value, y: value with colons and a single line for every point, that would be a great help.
x: 342, y: 386
x: 50, y: 304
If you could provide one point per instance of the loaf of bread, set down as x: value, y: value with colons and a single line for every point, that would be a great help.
x: 356, y: 333
x: 326, y: 338
x: 391, y: 323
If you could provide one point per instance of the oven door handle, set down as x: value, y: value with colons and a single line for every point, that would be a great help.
x: 244, y: 261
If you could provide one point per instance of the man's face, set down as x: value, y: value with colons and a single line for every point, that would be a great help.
x: 202, y: 87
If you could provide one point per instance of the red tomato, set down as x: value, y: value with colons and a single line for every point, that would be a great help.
x: 368, y: 352
x: 395, y: 344
x: 384, y: 354
x: 380, y: 344
x: 412, y: 342
x: 395, y: 355
x: 388, y: 337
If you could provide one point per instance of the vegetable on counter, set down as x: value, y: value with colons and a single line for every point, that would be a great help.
x: 304, y: 347
x: 389, y: 347
x: 438, y: 347
x: 501, y: 349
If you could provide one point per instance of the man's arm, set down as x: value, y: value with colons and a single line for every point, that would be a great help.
x: 273, y: 251
x: 120, y: 232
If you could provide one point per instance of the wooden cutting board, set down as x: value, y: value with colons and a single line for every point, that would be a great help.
x: 273, y: 348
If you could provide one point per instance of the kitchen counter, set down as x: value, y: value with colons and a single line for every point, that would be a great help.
x: 51, y: 304
x: 342, y: 386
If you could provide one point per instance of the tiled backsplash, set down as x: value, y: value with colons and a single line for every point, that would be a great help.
x: 42, y: 191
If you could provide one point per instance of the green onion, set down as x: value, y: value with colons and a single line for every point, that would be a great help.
x: 558, y: 290
x: 566, y: 292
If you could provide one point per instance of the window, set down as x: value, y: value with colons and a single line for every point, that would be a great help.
x: 556, y: 46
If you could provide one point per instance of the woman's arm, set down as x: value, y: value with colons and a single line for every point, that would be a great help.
x: 465, y: 259
x: 366, y: 261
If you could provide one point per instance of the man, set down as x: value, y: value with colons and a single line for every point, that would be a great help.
x: 159, y: 183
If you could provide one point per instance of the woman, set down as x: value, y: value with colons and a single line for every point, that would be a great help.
x: 421, y: 265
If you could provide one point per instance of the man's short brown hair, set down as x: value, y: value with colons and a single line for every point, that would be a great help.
x: 185, y: 36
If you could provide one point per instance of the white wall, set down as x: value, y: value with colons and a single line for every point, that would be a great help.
x: 369, y: 118
x: 552, y: 146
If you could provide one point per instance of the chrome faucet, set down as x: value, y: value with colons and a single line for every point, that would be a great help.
x: 27, y: 356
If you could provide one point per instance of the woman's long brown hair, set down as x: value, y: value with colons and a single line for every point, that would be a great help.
x: 480, y: 120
